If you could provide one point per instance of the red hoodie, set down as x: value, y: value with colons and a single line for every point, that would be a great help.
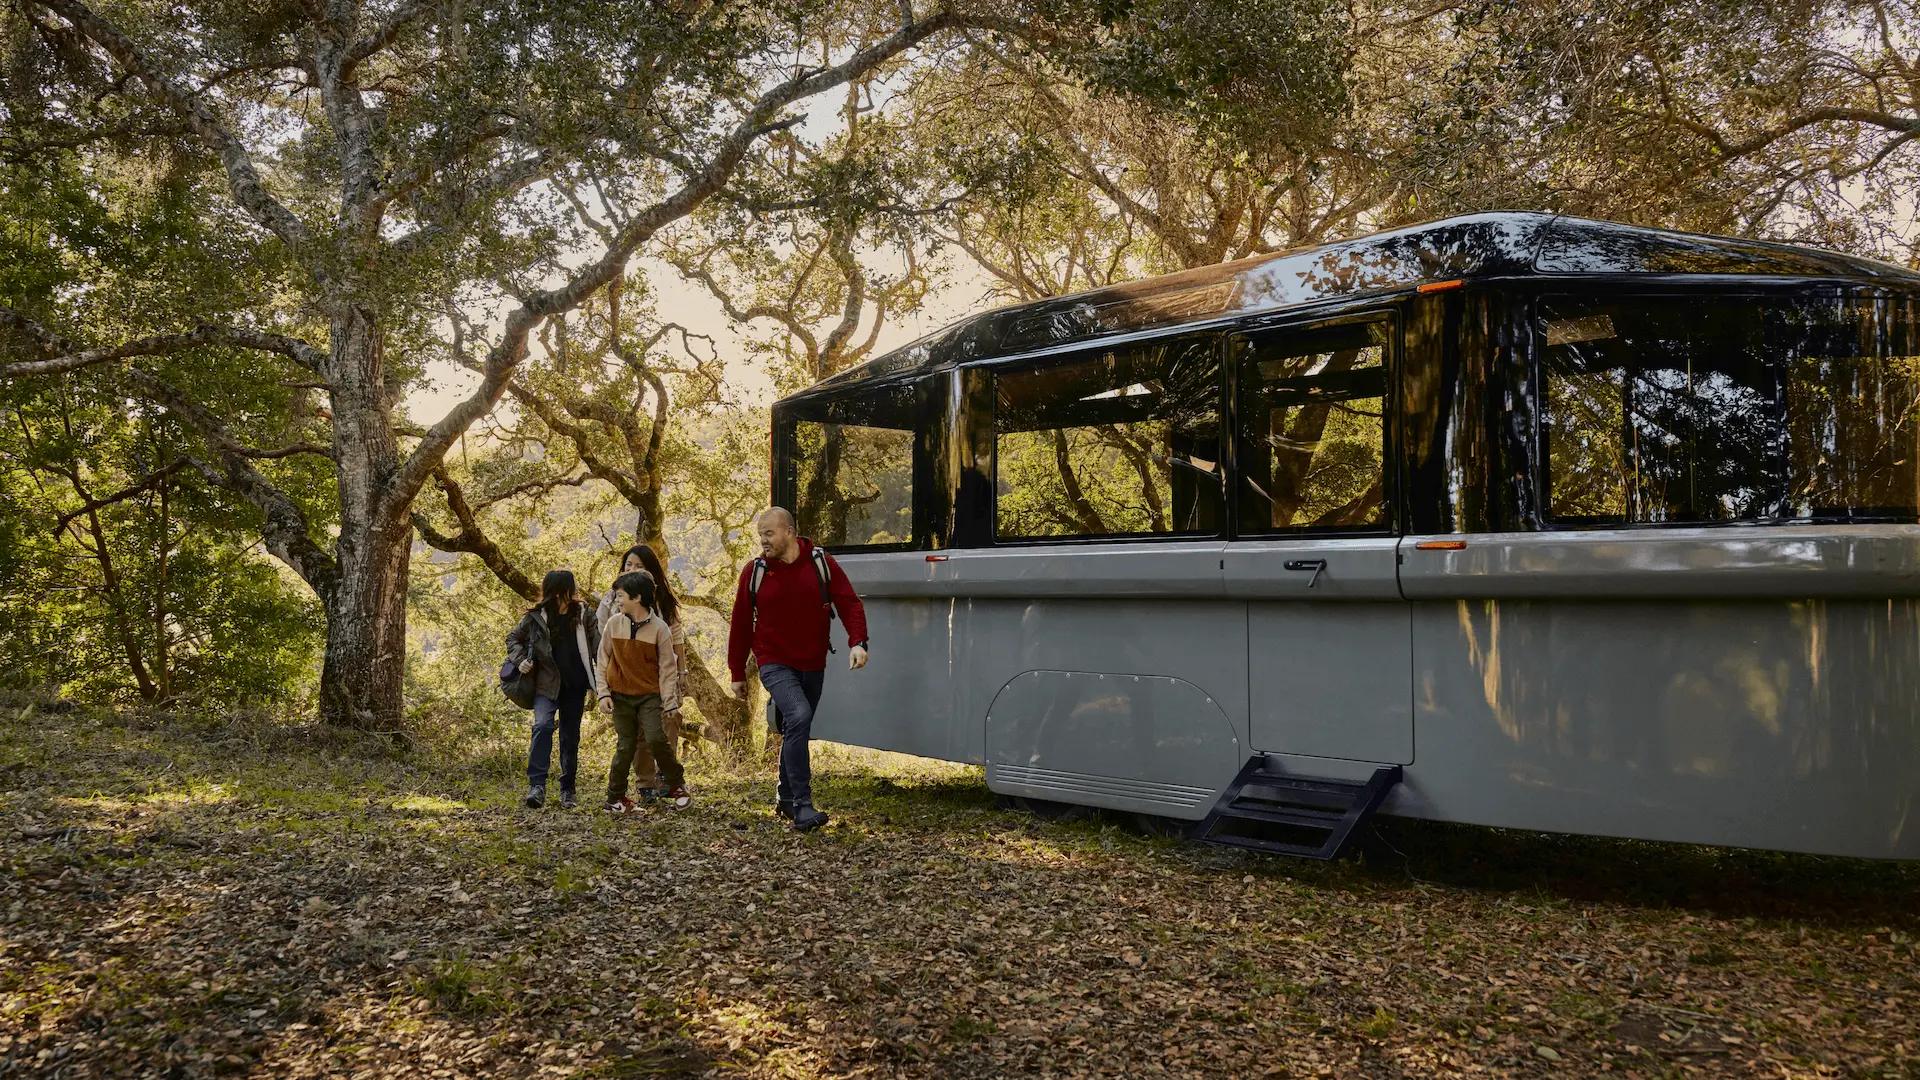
x: 791, y: 627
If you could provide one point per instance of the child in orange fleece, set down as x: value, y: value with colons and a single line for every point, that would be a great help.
x: 637, y: 679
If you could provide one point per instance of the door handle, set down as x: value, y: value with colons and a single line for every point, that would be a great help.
x: 1315, y: 565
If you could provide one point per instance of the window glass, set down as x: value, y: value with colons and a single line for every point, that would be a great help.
x: 1851, y: 426
x: 1312, y: 440
x: 1682, y: 409
x: 1121, y: 443
x: 852, y: 470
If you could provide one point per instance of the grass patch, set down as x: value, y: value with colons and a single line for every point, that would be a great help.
x: 462, y: 988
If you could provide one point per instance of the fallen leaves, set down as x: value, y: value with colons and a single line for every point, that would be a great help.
x: 364, y: 916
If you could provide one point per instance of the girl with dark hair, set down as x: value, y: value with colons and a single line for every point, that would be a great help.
x: 667, y: 607
x: 556, y: 640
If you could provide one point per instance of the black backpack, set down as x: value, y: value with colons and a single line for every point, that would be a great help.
x: 516, y: 687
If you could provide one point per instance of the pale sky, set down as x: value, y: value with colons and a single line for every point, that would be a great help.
x: 693, y: 306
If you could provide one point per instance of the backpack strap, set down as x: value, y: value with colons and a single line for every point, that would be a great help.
x: 754, y: 578
x: 826, y: 598
x: 820, y: 570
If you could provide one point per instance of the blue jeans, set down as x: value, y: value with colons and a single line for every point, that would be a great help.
x: 795, y: 694
x: 546, y: 711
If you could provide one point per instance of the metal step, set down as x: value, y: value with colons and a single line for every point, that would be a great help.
x: 1310, y: 817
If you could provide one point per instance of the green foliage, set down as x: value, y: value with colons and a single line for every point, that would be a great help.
x: 1240, y: 69
x: 159, y: 596
x: 856, y: 483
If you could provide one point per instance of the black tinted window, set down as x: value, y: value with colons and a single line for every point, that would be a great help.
x: 851, y: 462
x: 1681, y: 409
x: 1312, y: 439
x: 1124, y: 442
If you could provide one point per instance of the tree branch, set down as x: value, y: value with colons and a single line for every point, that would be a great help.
x: 384, y: 33
x: 284, y: 525
x: 506, y: 356
x: 531, y: 487
x: 472, y: 539
x: 145, y: 483
x: 286, y: 452
x: 243, y: 179
x: 73, y: 358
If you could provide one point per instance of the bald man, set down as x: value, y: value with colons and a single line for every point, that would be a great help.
x: 785, y: 624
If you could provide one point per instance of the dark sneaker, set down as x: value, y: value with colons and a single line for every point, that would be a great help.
x: 806, y: 818
x: 536, y: 797
x: 567, y: 801
x: 621, y: 805
x: 679, y: 799
x: 649, y: 794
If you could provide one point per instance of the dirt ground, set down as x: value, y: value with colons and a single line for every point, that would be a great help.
x: 188, y: 899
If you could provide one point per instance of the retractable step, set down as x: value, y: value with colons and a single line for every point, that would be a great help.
x: 1267, y: 809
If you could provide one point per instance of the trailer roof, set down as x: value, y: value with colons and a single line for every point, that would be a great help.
x: 1494, y: 244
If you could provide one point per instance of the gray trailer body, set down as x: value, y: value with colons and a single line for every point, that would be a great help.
x: 1752, y: 681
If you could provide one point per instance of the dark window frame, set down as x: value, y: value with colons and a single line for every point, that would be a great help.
x: 786, y: 459
x: 1216, y: 336
x: 1391, y: 465
x: 1539, y: 481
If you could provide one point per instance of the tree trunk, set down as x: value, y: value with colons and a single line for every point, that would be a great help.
x: 725, y: 714
x: 163, y: 668
x: 361, y: 677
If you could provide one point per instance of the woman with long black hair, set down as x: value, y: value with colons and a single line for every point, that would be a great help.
x: 667, y: 606
x: 556, y: 640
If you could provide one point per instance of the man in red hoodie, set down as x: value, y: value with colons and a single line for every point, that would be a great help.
x: 785, y: 624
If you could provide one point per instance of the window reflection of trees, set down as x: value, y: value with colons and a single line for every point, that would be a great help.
x: 855, y: 484
x: 1125, y: 443
x: 1313, y: 421
x: 1674, y: 410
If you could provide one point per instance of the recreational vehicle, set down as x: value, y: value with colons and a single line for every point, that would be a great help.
x: 1510, y: 519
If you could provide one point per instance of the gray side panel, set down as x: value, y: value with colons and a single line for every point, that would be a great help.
x: 1356, y: 568
x: 903, y: 700
x: 1327, y: 646
x: 1775, y: 561
x: 1129, y: 742
x: 1330, y: 680
x: 1175, y: 569
x: 1202, y: 644
x: 1785, y: 724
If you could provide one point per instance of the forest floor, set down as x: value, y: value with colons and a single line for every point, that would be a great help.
x: 183, y: 898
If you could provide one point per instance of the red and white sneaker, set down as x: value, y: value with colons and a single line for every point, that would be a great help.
x: 679, y: 799
x: 622, y: 805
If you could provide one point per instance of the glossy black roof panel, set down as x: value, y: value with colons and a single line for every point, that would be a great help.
x: 1496, y: 244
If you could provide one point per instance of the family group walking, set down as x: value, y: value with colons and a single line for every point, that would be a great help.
x: 630, y: 652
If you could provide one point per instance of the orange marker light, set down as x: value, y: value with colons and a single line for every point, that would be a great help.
x: 1441, y: 286
x: 1440, y: 545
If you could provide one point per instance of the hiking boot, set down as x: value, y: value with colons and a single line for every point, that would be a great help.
x: 536, y: 796
x: 679, y: 799
x: 784, y: 808
x: 649, y: 794
x: 567, y: 801
x: 621, y: 805
x: 806, y: 818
